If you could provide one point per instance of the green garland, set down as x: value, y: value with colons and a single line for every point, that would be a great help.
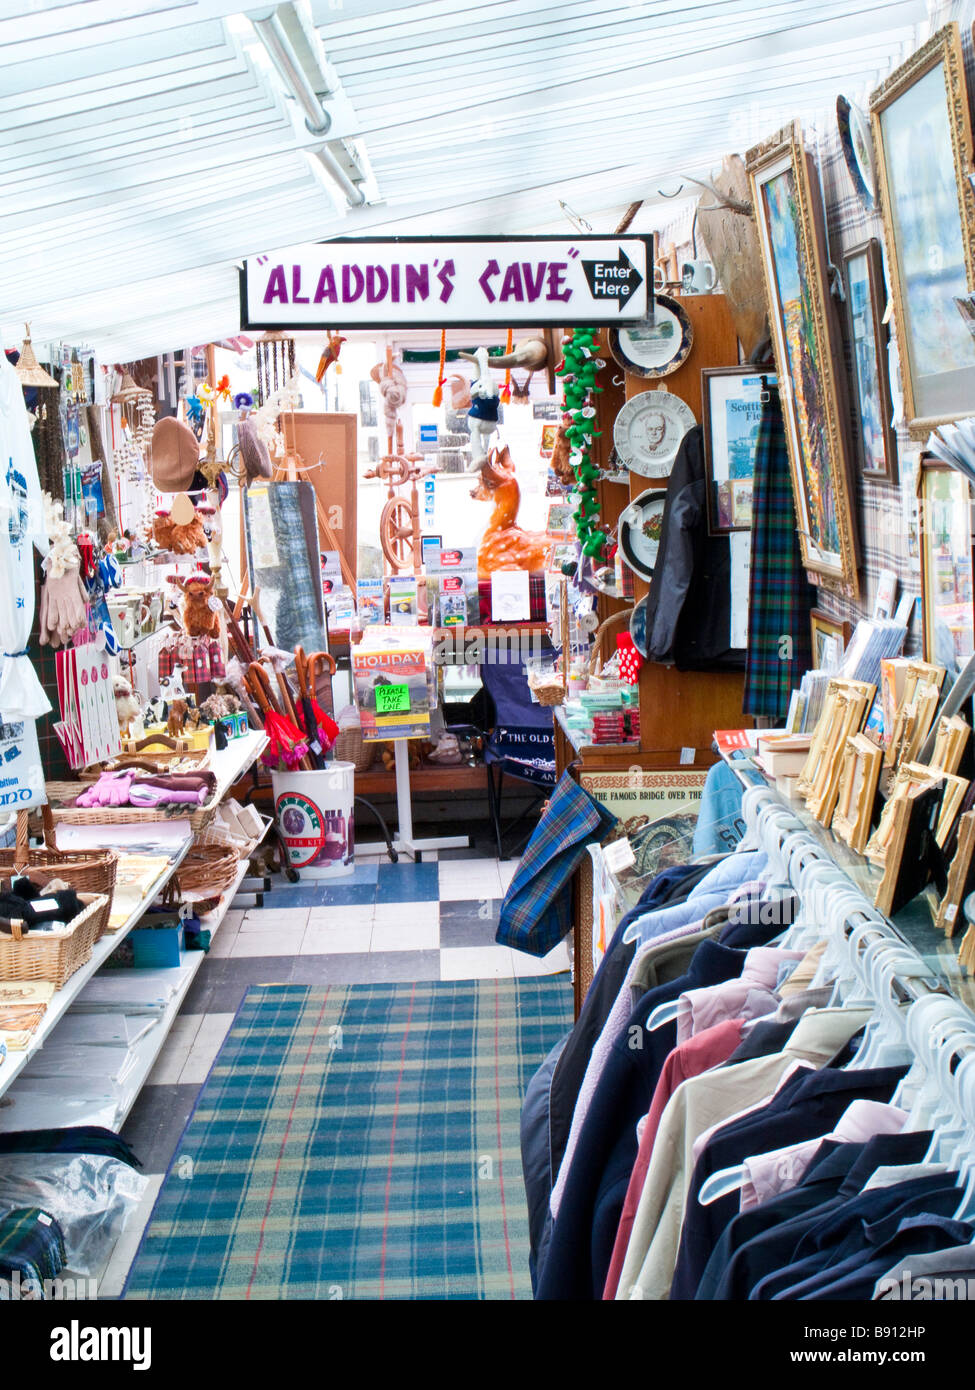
x: 578, y: 372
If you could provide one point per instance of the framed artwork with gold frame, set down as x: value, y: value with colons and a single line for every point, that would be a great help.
x: 808, y: 356
x: 944, y: 514
x: 922, y: 137
x: 826, y: 633
x: 961, y: 876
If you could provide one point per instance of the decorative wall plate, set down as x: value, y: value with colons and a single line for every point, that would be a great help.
x: 657, y: 347
x: 639, y: 531
x: 857, y: 145
x: 648, y: 431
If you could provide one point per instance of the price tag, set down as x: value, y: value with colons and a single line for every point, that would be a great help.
x: 619, y: 856
x: 392, y: 699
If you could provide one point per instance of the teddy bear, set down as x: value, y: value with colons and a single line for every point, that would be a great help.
x: 199, y: 619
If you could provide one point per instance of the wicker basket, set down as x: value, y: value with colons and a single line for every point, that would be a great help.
x: 218, y: 834
x: 351, y: 747
x: 62, y: 796
x: 596, y: 657
x: 158, y: 760
x: 208, y: 871
x: 84, y: 870
x: 37, y: 956
x: 549, y: 690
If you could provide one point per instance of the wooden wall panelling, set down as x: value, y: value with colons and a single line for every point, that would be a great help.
x: 683, y: 708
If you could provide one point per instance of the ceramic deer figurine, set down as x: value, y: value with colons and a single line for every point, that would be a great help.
x: 504, y: 545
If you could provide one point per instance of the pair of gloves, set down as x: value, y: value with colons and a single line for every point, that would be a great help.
x: 127, y: 789
x: 62, y: 611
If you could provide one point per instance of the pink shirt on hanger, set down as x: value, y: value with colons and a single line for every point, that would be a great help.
x: 767, y: 1175
x: 698, y: 1054
x: 748, y: 996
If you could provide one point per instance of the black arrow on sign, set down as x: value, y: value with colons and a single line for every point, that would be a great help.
x: 617, y: 280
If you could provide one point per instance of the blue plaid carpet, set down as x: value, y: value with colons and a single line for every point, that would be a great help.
x: 358, y: 1141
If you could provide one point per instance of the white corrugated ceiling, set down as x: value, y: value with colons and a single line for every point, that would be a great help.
x: 148, y: 145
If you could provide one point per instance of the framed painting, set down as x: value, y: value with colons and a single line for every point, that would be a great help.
x: 732, y: 399
x: 946, y: 566
x: 866, y: 296
x: 829, y: 640
x: 922, y: 138
x: 788, y: 208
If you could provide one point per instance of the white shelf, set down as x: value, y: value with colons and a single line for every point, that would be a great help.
x: 66, y: 996
x: 230, y: 763
x: 148, y: 1048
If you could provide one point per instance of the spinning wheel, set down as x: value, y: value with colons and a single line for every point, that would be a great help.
x: 397, y: 533
x: 399, y: 524
x: 395, y: 470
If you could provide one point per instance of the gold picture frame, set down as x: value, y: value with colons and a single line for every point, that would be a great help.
x: 944, y: 514
x: 826, y: 629
x: 806, y: 340
x: 960, y: 878
x: 922, y: 138
x: 950, y: 740
x: 859, y: 775
x: 909, y: 781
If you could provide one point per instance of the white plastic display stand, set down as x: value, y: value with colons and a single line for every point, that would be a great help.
x: 404, y: 811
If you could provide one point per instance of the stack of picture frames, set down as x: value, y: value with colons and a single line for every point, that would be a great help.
x: 845, y: 707
x: 917, y: 690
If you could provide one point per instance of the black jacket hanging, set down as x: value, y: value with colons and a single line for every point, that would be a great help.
x: 689, y: 603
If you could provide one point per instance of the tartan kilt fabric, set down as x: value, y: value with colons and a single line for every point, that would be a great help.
x: 780, y: 596
x: 31, y: 1245
x: 537, y: 909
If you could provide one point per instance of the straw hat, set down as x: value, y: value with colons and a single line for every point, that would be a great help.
x: 128, y: 391
x: 28, y: 369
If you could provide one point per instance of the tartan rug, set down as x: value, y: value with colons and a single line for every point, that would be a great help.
x: 358, y: 1141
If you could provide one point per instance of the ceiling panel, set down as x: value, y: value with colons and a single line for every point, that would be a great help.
x: 148, y: 145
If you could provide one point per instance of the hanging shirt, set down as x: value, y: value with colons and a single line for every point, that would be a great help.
x: 652, y: 1252
x: 22, y: 530
x: 766, y: 1175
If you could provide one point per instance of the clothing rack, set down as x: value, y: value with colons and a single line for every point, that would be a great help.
x: 918, y: 1019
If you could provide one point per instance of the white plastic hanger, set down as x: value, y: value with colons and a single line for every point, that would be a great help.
x: 947, y: 1122
x: 885, y: 1039
x: 752, y: 801
x: 963, y: 1159
x: 930, y: 1021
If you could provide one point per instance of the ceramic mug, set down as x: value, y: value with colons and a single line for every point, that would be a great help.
x: 698, y: 277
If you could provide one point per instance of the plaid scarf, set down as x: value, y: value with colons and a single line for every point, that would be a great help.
x: 780, y: 596
x: 537, y: 909
x: 31, y: 1244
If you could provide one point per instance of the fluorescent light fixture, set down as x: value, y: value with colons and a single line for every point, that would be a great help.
x: 329, y: 155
